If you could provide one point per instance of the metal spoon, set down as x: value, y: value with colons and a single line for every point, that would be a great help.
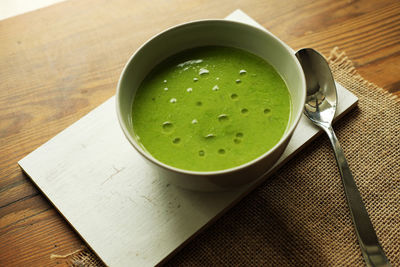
x: 320, y: 107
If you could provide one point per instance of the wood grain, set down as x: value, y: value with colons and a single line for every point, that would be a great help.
x: 60, y: 62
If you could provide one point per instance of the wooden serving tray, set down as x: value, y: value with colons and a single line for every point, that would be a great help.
x: 114, y: 200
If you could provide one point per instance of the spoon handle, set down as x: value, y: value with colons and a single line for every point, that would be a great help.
x: 371, y: 249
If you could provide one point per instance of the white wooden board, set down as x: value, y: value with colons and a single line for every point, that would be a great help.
x: 125, y: 213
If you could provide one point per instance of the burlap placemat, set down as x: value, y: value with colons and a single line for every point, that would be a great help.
x: 299, y: 216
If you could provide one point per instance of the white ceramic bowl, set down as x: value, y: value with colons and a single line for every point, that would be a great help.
x: 202, y: 33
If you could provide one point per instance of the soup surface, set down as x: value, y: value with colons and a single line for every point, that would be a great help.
x: 210, y: 108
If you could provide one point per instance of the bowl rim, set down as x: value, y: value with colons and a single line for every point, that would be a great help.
x: 288, y: 133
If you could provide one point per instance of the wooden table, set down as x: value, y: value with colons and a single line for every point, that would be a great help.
x: 60, y: 62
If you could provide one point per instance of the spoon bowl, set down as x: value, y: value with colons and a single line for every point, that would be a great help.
x: 321, y: 98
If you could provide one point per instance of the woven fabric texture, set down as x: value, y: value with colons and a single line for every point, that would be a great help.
x: 299, y: 216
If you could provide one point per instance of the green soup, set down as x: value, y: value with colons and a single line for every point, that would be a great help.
x: 210, y: 108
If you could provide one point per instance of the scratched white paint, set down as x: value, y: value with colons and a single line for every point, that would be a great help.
x: 128, y: 215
